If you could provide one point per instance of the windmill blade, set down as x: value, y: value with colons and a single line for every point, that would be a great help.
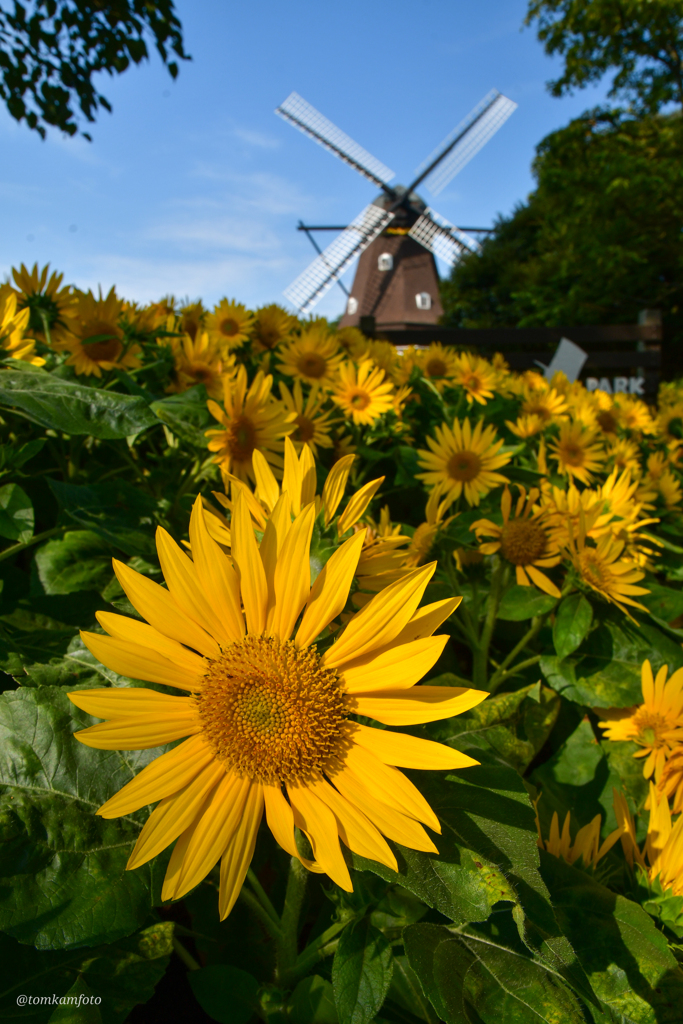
x: 307, y: 119
x: 464, y: 142
x: 328, y: 267
x: 441, y: 238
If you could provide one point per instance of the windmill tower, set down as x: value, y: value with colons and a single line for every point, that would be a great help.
x: 398, y: 235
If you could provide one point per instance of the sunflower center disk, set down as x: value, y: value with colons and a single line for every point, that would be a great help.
x: 652, y: 728
x: 311, y: 364
x: 464, y: 466
x: 573, y: 456
x: 522, y: 541
x: 305, y: 429
x: 436, y: 368
x: 229, y: 328
x: 271, y: 712
x: 360, y: 400
x: 593, y: 570
x: 241, y: 438
x: 107, y: 348
x: 607, y: 421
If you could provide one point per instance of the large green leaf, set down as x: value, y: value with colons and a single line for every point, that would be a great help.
x: 312, y: 1002
x: 663, y: 602
x: 607, y: 671
x: 76, y: 666
x: 119, y: 976
x: 521, y: 603
x: 75, y: 408
x: 64, y: 882
x: 471, y: 980
x: 80, y: 560
x: 361, y: 972
x: 572, y: 622
x: 121, y: 514
x: 186, y: 415
x: 628, y: 961
x: 16, y: 514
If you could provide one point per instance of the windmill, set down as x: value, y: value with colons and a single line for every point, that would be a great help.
x: 398, y: 235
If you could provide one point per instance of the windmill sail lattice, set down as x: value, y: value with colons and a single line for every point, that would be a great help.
x: 441, y: 238
x: 310, y: 286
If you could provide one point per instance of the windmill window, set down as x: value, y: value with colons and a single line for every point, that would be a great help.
x: 385, y: 261
x: 352, y: 306
x: 423, y: 300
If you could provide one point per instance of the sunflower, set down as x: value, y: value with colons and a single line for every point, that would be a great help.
x: 523, y: 540
x: 463, y: 460
x: 604, y: 569
x: 425, y: 534
x: 544, y: 402
x: 251, y: 419
x: 662, y: 854
x: 230, y: 324
x: 50, y: 306
x: 312, y: 421
x: 269, y: 718
x: 476, y: 376
x: 586, y: 846
x: 272, y: 325
x: 96, y: 340
x: 314, y: 357
x: 624, y: 455
x: 192, y: 318
x: 352, y: 340
x: 438, y: 364
x: 670, y: 422
x: 199, y: 361
x: 13, y: 323
x: 526, y: 426
x: 362, y: 392
x: 633, y: 414
x: 577, y: 452
x: 671, y: 780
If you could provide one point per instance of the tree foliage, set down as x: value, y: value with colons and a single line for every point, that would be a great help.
x: 640, y: 40
x: 50, y: 51
x: 598, y: 240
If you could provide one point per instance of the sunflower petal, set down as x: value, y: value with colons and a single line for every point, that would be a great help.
x: 292, y: 578
x: 335, y: 485
x: 122, y: 627
x: 267, y: 486
x: 237, y: 858
x: 136, y: 662
x: 357, y: 505
x: 291, y: 479
x: 280, y: 818
x: 355, y: 830
x: 139, y: 732
x: 250, y: 568
x: 427, y: 619
x: 308, y: 476
x: 542, y: 581
x: 396, y: 669
x: 390, y: 785
x: 330, y: 591
x: 165, y: 776
x: 314, y: 818
x: 216, y: 575
x: 124, y: 701
x: 403, y: 751
x: 424, y: 704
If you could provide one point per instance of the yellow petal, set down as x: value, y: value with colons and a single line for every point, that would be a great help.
x: 173, y: 815
x: 216, y: 574
x: 292, y: 579
x: 267, y: 486
x: 382, y: 618
x: 427, y: 620
x: 425, y: 704
x: 335, y: 485
x: 314, y: 818
x: 137, y: 662
x: 280, y: 818
x: 237, y: 857
x: 159, y: 608
x: 396, y: 669
x: 391, y: 823
x: 403, y: 751
x: 124, y: 628
x: 213, y: 831
x: 357, y: 505
x: 389, y: 785
x: 355, y: 830
x: 542, y: 581
x: 330, y: 590
x: 308, y: 476
x: 124, y: 701
x: 278, y: 526
x: 163, y: 777
x: 250, y: 568
x: 291, y: 479
x: 175, y: 863
x: 139, y: 732
x: 238, y: 486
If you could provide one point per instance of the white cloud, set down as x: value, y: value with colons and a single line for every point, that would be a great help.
x: 258, y: 139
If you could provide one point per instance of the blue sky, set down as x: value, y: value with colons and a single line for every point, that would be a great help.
x: 195, y: 187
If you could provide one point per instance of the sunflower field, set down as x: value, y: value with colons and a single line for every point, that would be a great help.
x: 341, y: 683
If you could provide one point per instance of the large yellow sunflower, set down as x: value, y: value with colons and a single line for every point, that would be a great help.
x: 192, y: 318
x: 463, y: 460
x: 476, y: 376
x: 96, y: 340
x: 577, y: 451
x: 314, y: 357
x: 273, y: 324
x: 656, y: 725
x: 199, y: 361
x: 251, y: 419
x: 312, y: 422
x: 544, y: 402
x: 362, y: 392
x: 13, y: 323
x: 50, y: 306
x: 523, y: 540
x: 662, y: 853
x: 230, y: 324
x: 437, y: 363
x: 270, y: 718
x: 602, y: 567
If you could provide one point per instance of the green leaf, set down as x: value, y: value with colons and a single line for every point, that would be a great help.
x: 14, y: 456
x: 16, y: 514
x: 121, y: 514
x: 63, y: 868
x: 186, y: 415
x: 572, y: 622
x: 469, y: 979
x: 607, y: 672
x: 406, y: 990
x: 119, y: 976
x: 312, y: 1002
x: 361, y: 972
x: 663, y: 602
x: 80, y: 560
x: 514, y: 725
x: 78, y: 1006
x: 75, y: 408
x: 226, y: 993
x: 521, y: 603
x: 628, y: 961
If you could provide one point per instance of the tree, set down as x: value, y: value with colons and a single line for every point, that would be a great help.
x: 598, y: 240
x: 50, y: 52
x: 641, y: 40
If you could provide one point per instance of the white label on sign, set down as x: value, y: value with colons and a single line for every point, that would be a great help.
x: 622, y: 385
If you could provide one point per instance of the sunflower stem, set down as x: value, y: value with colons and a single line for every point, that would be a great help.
x: 288, y: 944
x: 16, y: 548
x: 481, y: 651
x: 264, y: 917
x: 322, y: 947
x: 262, y: 896
x: 537, y: 624
x: 185, y: 956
